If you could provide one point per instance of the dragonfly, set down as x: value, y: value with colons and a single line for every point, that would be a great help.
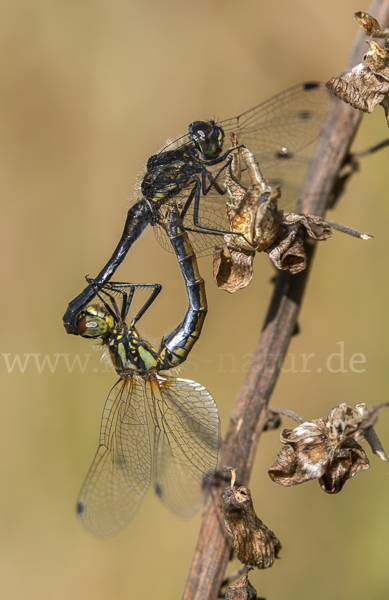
x: 280, y: 133
x: 182, y: 413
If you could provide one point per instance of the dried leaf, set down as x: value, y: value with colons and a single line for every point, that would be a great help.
x: 327, y: 448
x: 254, y: 543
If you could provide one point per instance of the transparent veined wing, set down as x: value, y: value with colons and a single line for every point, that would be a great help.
x: 186, y: 441
x: 121, y: 470
x: 281, y: 133
x: 291, y: 119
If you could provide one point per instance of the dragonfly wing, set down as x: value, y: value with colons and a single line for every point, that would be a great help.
x: 281, y: 132
x: 121, y: 470
x: 292, y: 119
x: 186, y: 441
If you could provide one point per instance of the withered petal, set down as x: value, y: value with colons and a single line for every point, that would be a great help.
x: 287, y: 253
x: 293, y: 467
x: 350, y: 459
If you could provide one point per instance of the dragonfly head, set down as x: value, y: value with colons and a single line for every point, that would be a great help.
x: 207, y: 138
x: 94, y: 322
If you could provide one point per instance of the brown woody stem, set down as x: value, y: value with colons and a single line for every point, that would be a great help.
x: 249, y: 414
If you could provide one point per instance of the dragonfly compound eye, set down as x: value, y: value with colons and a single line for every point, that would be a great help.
x: 94, y: 323
x: 207, y: 138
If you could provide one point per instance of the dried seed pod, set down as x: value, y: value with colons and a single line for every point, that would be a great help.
x: 242, y: 590
x: 327, y: 449
x: 254, y: 543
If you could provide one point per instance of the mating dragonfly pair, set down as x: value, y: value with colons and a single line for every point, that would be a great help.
x: 183, y: 190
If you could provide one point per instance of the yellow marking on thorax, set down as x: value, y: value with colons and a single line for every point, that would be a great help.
x: 148, y: 359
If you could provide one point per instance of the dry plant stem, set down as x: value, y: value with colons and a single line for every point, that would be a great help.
x: 249, y: 414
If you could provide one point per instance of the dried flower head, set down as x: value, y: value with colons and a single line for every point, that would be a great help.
x: 254, y: 543
x: 367, y: 84
x: 253, y: 214
x: 327, y: 449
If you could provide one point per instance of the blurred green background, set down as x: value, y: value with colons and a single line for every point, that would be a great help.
x: 89, y: 91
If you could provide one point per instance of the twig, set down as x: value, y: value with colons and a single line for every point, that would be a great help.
x: 288, y: 413
x: 249, y: 414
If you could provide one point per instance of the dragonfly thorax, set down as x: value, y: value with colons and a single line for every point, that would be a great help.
x: 207, y: 138
x: 129, y: 352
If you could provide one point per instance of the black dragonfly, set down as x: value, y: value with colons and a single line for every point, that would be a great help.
x: 280, y: 133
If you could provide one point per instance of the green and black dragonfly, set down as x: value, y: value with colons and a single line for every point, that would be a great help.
x: 279, y: 132
x: 183, y: 413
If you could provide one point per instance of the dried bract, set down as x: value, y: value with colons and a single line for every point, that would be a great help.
x: 254, y: 543
x: 242, y: 590
x: 367, y: 84
x: 327, y: 449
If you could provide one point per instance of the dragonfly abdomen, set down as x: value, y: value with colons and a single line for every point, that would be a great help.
x: 176, y: 346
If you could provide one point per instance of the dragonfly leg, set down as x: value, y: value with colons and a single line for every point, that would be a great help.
x: 127, y: 297
x: 157, y: 288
